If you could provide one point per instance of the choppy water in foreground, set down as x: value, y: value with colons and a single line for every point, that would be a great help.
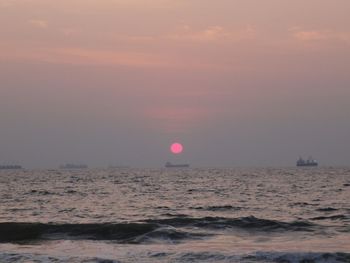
x: 190, y: 215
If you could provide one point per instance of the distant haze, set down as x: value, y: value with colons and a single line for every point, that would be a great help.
x: 115, y: 82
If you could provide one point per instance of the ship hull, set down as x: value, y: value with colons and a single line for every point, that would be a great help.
x: 10, y: 167
x: 307, y: 165
x: 177, y: 166
x: 170, y: 165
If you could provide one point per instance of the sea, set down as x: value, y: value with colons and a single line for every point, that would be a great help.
x: 258, y: 215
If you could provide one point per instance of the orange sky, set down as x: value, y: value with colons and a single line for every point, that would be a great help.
x: 176, y: 34
x: 176, y: 67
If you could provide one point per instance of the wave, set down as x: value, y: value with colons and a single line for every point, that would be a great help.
x: 41, y: 192
x: 275, y: 257
x: 248, y: 223
x: 333, y: 217
x: 302, y: 204
x: 218, y: 208
x: 264, y: 257
x: 27, y: 257
x: 311, y: 257
x: 327, y: 209
x: 133, y: 233
x: 16, y: 232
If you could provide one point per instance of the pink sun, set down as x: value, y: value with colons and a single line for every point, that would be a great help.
x: 176, y: 148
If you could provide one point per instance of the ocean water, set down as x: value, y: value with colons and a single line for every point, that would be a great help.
x: 173, y: 215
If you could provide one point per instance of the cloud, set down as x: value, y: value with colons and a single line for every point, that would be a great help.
x: 70, y: 31
x: 177, y: 119
x: 185, y: 33
x: 87, y: 56
x: 319, y: 35
x: 5, y: 3
x: 79, y: 56
x: 39, y: 23
x: 211, y: 33
x: 103, y: 57
x: 310, y: 35
x: 147, y: 3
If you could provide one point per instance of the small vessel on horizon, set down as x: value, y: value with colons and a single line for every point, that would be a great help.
x: 73, y: 166
x: 118, y: 167
x: 170, y: 165
x: 10, y: 167
x: 310, y: 162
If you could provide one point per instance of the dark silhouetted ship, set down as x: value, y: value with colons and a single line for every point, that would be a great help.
x: 118, y: 167
x: 73, y: 166
x: 306, y: 163
x: 170, y: 165
x: 10, y: 167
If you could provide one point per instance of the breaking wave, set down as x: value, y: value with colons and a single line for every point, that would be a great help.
x: 132, y: 233
x: 248, y: 223
x: 16, y: 232
x: 172, y: 229
x: 16, y: 257
x: 264, y: 257
x: 267, y: 257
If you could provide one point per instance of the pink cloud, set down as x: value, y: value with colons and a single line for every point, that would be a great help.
x: 39, y: 23
x: 86, y: 56
x: 211, y: 33
x: 176, y: 119
x: 319, y: 35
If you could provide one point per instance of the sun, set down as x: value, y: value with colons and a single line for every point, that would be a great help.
x: 176, y: 148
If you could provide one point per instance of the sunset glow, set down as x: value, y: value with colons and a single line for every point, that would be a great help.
x: 146, y: 125
x: 220, y: 74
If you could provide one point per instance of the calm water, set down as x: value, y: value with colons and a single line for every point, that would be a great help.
x: 190, y: 215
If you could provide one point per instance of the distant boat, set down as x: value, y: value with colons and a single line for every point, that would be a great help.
x: 73, y: 166
x: 308, y: 163
x: 118, y: 167
x: 10, y: 167
x: 170, y: 165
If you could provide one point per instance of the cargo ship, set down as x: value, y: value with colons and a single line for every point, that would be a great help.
x: 306, y: 163
x: 118, y: 167
x: 170, y: 165
x: 73, y: 166
x: 10, y: 167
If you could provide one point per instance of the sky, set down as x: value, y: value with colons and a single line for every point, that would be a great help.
x: 115, y: 82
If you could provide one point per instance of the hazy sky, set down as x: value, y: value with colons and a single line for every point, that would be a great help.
x: 238, y: 82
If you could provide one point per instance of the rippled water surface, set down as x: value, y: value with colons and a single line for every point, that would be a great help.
x: 188, y: 215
